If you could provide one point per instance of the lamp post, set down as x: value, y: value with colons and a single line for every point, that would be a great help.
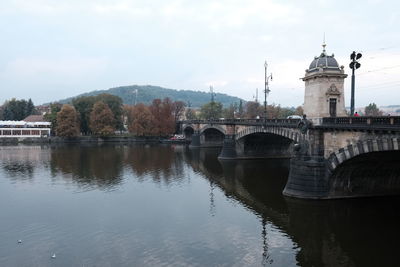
x: 353, y: 66
x: 266, y: 90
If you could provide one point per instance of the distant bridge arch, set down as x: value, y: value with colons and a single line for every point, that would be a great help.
x: 290, y: 133
x: 215, y: 127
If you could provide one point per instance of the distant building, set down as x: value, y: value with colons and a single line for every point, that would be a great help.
x: 43, y: 109
x: 21, y: 129
x: 34, y: 118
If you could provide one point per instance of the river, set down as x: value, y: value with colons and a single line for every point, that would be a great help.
x: 161, y: 205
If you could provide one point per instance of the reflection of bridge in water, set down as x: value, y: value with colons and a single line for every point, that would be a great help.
x: 328, y: 233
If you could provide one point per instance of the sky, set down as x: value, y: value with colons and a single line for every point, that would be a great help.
x: 53, y: 49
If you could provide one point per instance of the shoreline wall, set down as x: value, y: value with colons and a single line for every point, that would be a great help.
x: 80, y: 139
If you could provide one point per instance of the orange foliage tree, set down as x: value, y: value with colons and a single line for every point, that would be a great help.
x: 102, y: 121
x: 67, y: 122
x: 252, y: 110
x: 140, y: 120
x: 178, y: 110
x: 163, y: 118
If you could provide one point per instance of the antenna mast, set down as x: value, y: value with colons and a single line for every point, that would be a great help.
x: 212, y: 93
x: 256, y: 95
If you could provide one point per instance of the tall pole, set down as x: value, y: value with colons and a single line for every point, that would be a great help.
x: 136, y: 91
x: 266, y: 90
x: 353, y: 81
x: 354, y: 64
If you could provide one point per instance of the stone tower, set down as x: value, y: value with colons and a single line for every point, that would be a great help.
x: 324, y: 93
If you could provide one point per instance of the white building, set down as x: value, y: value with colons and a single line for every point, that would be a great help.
x: 21, y: 129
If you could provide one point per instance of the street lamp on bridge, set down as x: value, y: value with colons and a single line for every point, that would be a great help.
x: 353, y: 66
x: 266, y: 90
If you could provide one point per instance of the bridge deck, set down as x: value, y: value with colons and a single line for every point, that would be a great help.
x: 386, y: 123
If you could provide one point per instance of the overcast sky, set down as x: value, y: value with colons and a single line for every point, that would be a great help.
x: 53, y: 49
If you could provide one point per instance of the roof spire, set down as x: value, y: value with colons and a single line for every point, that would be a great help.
x: 323, y: 46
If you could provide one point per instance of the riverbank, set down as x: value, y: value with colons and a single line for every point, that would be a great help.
x: 87, y: 139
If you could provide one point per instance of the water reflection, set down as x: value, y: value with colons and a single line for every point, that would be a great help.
x: 160, y: 163
x: 356, y: 232
x: 20, y: 161
x: 256, y: 184
x: 99, y: 166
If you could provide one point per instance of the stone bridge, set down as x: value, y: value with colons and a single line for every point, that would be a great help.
x: 336, y: 158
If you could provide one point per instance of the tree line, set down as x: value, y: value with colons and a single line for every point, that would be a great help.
x: 249, y: 110
x: 105, y: 114
x: 16, y: 110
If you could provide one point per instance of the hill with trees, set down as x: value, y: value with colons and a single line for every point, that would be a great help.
x: 147, y: 93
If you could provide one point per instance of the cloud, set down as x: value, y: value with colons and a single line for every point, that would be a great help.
x: 33, y: 68
x: 216, y: 83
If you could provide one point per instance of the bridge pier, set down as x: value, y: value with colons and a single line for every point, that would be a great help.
x: 229, y: 148
x: 307, y: 178
x: 195, y: 139
x: 308, y: 175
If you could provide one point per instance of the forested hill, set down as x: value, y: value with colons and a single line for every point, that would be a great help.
x: 146, y: 94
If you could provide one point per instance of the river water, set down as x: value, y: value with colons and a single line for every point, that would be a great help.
x: 158, y: 205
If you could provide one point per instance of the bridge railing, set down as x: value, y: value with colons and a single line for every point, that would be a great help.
x: 390, y: 121
x: 255, y: 122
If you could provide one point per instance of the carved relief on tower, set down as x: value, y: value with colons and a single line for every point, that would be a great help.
x: 332, y: 90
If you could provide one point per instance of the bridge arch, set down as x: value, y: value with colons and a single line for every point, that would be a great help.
x: 212, y: 136
x: 367, y: 168
x: 269, y: 142
x: 187, y: 126
x: 292, y: 134
x: 341, y: 155
x: 215, y: 127
x: 188, y: 131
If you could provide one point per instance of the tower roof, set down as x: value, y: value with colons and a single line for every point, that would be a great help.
x: 324, y: 61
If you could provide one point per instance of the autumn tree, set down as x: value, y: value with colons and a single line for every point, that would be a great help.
x: 190, y: 114
x: 372, y: 110
x: 115, y: 104
x: 140, y: 120
x: 229, y: 112
x: 211, y: 110
x: 178, y: 110
x: 84, y: 106
x: 67, y: 122
x: 240, y: 110
x: 162, y: 119
x: 277, y: 112
x: 299, y: 111
x: 52, y: 115
x: 252, y: 110
x: 102, y: 121
x: 156, y: 110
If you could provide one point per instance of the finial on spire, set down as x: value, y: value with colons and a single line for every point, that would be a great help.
x: 323, y: 46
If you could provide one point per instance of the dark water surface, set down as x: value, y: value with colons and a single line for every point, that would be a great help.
x: 171, y: 206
